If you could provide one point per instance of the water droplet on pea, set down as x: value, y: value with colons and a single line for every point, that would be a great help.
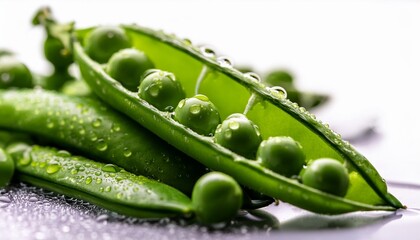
x: 88, y: 180
x: 116, y: 127
x: 127, y: 152
x: 108, y: 189
x: 97, y: 122
x: 181, y: 103
x: 111, y: 168
x: 234, y: 125
x: 101, y: 145
x: 98, y: 180
x: 74, y: 171
x: 53, y: 168
x: 5, y: 77
x: 154, y: 89
x: 82, y: 131
x: 195, y: 109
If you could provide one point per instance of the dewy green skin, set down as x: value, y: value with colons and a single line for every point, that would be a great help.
x: 92, y: 128
x: 105, y: 185
x: 7, y: 168
x: 231, y: 91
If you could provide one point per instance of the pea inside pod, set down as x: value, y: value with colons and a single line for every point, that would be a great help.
x: 232, y: 91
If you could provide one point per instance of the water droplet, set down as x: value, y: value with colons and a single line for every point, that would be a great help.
x: 154, y: 89
x: 207, y: 52
x: 74, y: 171
x: 181, y: 103
x: 187, y: 41
x: 127, y: 152
x: 82, y: 131
x: 98, y: 180
x: 88, y: 180
x: 53, y: 168
x: 5, y: 77
x: 33, y: 199
x: 102, y: 218
x: 119, y: 195
x: 228, y: 134
x: 4, y: 201
x: 278, y: 91
x: 50, y: 124
x: 202, y: 97
x: 116, y: 127
x: 233, y: 124
x: 63, y: 153
x: 101, y: 145
x: 97, y: 122
x: 110, y: 168
x: 93, y: 137
x: 108, y: 189
x: 195, y: 109
x: 25, y: 160
x: 224, y: 62
x: 253, y: 76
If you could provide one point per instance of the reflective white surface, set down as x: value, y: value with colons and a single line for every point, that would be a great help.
x: 365, y: 54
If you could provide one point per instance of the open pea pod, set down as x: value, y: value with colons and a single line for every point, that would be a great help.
x: 200, y: 71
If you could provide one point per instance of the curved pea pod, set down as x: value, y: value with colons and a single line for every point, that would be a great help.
x: 89, y: 126
x: 201, y: 71
x: 105, y: 185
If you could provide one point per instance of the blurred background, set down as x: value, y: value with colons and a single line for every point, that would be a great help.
x: 364, y: 54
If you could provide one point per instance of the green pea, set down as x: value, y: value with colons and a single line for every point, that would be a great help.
x: 239, y: 134
x: 7, y: 168
x: 328, y: 175
x: 13, y: 73
x: 127, y: 66
x: 104, y: 41
x: 161, y: 89
x: 282, y: 155
x: 57, y: 54
x: 199, y: 114
x: 216, y: 198
x: 279, y: 78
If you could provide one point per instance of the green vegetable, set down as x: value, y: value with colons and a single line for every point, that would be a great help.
x: 105, y: 185
x: 239, y: 134
x: 161, y: 89
x: 57, y: 54
x: 104, y: 41
x: 127, y: 66
x: 199, y: 114
x: 282, y: 155
x: 200, y: 70
x: 14, y: 73
x: 328, y: 175
x: 92, y: 128
x: 216, y: 198
x: 7, y: 168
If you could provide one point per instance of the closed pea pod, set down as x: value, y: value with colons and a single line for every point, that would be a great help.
x: 105, y: 185
x: 90, y: 127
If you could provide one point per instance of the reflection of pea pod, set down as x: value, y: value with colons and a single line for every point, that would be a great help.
x: 88, y: 126
x: 200, y: 71
x: 105, y: 185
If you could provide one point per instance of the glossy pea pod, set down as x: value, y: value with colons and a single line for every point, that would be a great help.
x: 105, y: 185
x: 202, y: 72
x: 88, y: 126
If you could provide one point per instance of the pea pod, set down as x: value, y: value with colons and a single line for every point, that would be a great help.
x: 105, y: 185
x: 200, y: 71
x: 88, y: 126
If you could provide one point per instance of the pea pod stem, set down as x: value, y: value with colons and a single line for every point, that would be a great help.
x: 104, y: 185
x: 200, y: 78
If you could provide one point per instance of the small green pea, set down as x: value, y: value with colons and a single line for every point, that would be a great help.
x: 282, y: 155
x: 161, y: 89
x: 199, y: 114
x: 216, y: 198
x: 13, y: 73
x: 7, y: 168
x: 57, y: 54
x: 127, y: 66
x: 104, y: 41
x: 327, y: 175
x: 239, y: 134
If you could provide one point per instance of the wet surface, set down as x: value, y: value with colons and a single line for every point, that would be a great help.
x: 29, y: 212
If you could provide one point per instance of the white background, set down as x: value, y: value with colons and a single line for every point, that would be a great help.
x: 366, y: 54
